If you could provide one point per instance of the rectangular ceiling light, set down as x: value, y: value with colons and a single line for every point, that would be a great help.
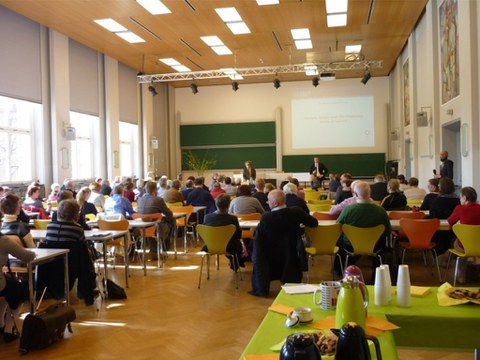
x: 154, y: 7
x: 336, y: 6
x: 181, y: 68
x: 337, y: 20
x: 267, y: 2
x: 353, y: 49
x: 238, y: 27
x: 310, y: 70
x: 303, y: 44
x: 212, y: 40
x: 229, y: 14
x: 222, y: 50
x: 300, y: 34
x: 130, y: 37
x: 169, y: 61
x: 111, y: 25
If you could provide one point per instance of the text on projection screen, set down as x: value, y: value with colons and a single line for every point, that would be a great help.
x: 333, y: 122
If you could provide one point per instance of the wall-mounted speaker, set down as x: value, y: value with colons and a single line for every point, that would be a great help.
x: 70, y: 133
x: 422, y: 119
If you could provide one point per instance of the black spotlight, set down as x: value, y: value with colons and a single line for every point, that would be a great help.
x: 276, y: 83
x: 315, y: 81
x: 366, y: 77
x: 152, y: 90
x: 194, y: 88
x: 234, y: 86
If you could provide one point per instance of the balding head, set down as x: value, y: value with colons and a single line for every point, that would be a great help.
x: 276, y: 198
x: 362, y: 189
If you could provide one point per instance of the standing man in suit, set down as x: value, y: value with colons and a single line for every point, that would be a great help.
x: 317, y: 173
x: 446, y: 166
x: 278, y: 250
x: 249, y: 173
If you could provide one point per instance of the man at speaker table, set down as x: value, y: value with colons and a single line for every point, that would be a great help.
x: 278, y: 250
x: 446, y: 166
x: 317, y: 172
x: 249, y: 172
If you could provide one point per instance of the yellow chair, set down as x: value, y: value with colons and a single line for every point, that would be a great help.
x: 41, y: 224
x: 183, y: 221
x: 116, y: 225
x: 174, y: 204
x: 319, y: 207
x: 469, y: 236
x: 419, y: 233
x: 320, y: 202
x: 216, y: 239
x: 414, y: 202
x: 311, y: 194
x: 324, y: 242
x: 151, y: 232
x: 363, y: 240
x: 90, y: 217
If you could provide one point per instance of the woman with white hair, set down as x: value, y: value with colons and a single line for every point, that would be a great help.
x: 291, y: 198
x: 55, y: 190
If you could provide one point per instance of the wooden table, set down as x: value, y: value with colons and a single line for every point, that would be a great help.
x: 142, y: 226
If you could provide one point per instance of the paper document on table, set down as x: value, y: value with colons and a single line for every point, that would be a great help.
x: 299, y: 289
x: 101, y: 233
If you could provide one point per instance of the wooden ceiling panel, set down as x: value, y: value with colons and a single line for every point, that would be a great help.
x: 177, y: 35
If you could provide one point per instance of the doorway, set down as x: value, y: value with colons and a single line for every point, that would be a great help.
x: 452, y: 143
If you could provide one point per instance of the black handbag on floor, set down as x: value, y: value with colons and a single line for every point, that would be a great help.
x: 115, y: 291
x: 44, y: 328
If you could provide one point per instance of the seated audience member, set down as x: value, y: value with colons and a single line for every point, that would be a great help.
x: 173, y: 194
x: 337, y: 209
x: 10, y: 207
x: 215, y: 178
x: 222, y: 217
x: 96, y: 197
x: 433, y: 193
x: 216, y: 190
x: 269, y: 187
x: 201, y: 197
x: 395, y: 200
x: 442, y: 207
x: 363, y: 213
x: 403, y: 182
x: 291, y: 198
x: 278, y: 250
x: 139, y: 189
x: 67, y: 195
x: 343, y: 177
x: 334, y: 182
x: 151, y: 203
x: 55, y: 190
x: 34, y: 203
x: 69, y: 185
x: 260, y: 194
x: 230, y: 189
x: 106, y: 190
x: 188, y: 188
x: 345, y: 193
x: 60, y: 233
x: 379, y: 188
x: 414, y: 192
x: 128, y: 191
x: 162, y: 186
x: 82, y: 199
x: 468, y: 212
x: 300, y: 192
x: 286, y: 181
x: 11, y: 292
x: 244, y: 203
x: 117, y: 204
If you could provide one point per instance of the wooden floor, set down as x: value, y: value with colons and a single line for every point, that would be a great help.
x: 167, y: 317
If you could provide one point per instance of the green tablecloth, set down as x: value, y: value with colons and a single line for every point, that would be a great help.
x: 272, y: 330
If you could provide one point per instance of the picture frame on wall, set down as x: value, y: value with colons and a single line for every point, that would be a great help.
x: 449, y: 54
x: 406, y: 92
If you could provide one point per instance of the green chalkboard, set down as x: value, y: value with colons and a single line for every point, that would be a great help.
x: 231, y: 144
x: 234, y: 158
x: 228, y: 134
x: 359, y: 165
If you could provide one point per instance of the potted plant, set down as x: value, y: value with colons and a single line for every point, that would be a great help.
x: 199, y: 164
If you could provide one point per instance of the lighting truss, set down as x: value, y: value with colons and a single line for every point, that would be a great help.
x: 265, y: 70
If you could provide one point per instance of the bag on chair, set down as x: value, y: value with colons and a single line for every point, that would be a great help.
x: 115, y: 291
x: 42, y: 329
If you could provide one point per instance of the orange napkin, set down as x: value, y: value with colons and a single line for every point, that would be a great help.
x: 375, y: 326
x: 281, y: 309
x: 261, y: 357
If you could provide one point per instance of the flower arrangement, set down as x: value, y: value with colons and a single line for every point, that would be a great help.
x: 199, y: 164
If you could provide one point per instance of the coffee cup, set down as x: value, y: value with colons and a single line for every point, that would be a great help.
x: 329, y: 294
x: 304, y: 314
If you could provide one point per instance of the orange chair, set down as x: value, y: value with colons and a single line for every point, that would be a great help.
x: 419, y: 234
x: 248, y: 233
x: 183, y: 222
x: 151, y: 232
x: 324, y: 216
x: 397, y: 215
x: 122, y: 224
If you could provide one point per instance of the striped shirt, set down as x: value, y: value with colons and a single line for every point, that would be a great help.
x: 64, y: 231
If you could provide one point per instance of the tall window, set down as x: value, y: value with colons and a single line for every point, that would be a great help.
x: 16, y: 140
x: 128, y: 147
x: 82, y: 147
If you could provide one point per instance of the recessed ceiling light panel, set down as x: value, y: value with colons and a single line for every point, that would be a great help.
x: 154, y: 7
x: 181, y: 68
x: 353, y: 49
x: 130, y: 37
x: 336, y: 6
x: 229, y: 14
x: 337, y: 20
x: 238, y: 27
x: 303, y: 44
x: 111, y: 25
x: 169, y: 61
x: 267, y: 2
x: 212, y: 40
x: 300, y: 34
x: 221, y: 50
